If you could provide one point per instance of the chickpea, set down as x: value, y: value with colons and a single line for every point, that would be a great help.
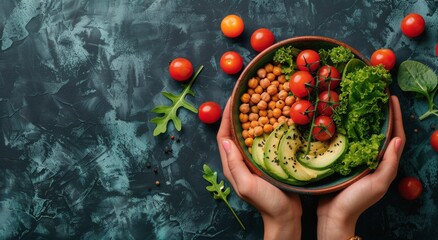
x: 289, y: 100
x: 255, y: 109
x: 254, y: 124
x: 270, y: 113
x: 263, y: 113
x: 282, y: 95
x: 245, y: 98
x: 255, y: 98
x: 251, y: 132
x: 258, y: 131
x: 267, y: 128
x: 270, y: 76
x: 286, y: 110
x: 272, y: 120
x: 279, y: 104
x: 264, y: 83
x: 263, y: 121
x: 249, y: 141
x: 250, y: 149
x: 277, y: 70
x: 250, y: 92
x: 275, y: 83
x: 265, y: 97
x: 245, y: 134
x: 271, y: 90
x: 281, y: 119
x: 290, y: 122
x: 280, y: 87
x: 277, y: 112
x: 243, y: 117
x: 258, y: 89
x: 271, y: 105
x: 244, y: 108
x: 269, y: 67
x: 261, y: 73
x: 275, y: 98
x: 286, y: 86
x: 275, y: 125
x: 281, y: 78
x: 253, y: 117
x: 262, y: 105
x: 253, y: 83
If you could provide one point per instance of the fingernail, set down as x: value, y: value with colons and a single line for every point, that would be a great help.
x: 227, y: 146
x: 397, y: 144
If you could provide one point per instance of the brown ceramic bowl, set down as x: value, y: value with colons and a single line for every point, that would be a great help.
x: 332, y: 183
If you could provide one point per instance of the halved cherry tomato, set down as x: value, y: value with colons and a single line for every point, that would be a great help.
x: 410, y: 188
x: 180, y: 69
x: 308, y: 60
x: 301, y: 112
x: 413, y: 25
x: 328, y: 101
x: 434, y: 140
x: 323, y: 128
x: 383, y: 56
x: 328, y: 77
x: 231, y: 62
x: 261, y: 39
x: 301, y: 83
x: 232, y: 26
x: 209, y: 112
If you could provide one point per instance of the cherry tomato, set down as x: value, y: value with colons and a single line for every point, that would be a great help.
x: 410, y: 188
x: 328, y: 101
x: 301, y: 112
x: 301, y: 83
x: 232, y: 26
x: 383, y: 56
x: 413, y: 25
x: 436, y: 49
x: 261, y: 39
x: 434, y: 140
x: 231, y: 62
x: 308, y: 60
x: 180, y: 69
x: 323, y: 128
x: 328, y: 77
x: 209, y: 112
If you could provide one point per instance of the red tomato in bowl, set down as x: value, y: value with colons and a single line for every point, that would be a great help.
x: 434, y: 140
x: 232, y: 26
x: 413, y: 25
x: 410, y: 188
x: 301, y: 83
x: 301, y: 112
x: 261, y: 39
x: 323, y: 128
x: 180, y: 69
x: 383, y: 56
x: 328, y: 101
x: 209, y: 112
x: 328, y: 77
x: 308, y: 60
x: 231, y: 62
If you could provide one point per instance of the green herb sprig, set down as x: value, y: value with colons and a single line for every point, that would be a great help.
x: 218, y: 189
x: 170, y: 112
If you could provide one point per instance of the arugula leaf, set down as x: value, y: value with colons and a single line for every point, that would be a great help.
x: 170, y: 112
x: 218, y: 189
x: 416, y: 77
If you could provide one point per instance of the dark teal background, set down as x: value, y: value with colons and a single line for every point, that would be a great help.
x: 78, y: 80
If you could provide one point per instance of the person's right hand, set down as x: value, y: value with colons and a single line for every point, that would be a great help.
x: 338, y: 214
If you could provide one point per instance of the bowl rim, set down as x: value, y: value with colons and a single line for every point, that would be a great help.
x: 302, y: 189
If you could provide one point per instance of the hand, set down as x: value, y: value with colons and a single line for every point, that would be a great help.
x: 337, y: 215
x: 281, y: 211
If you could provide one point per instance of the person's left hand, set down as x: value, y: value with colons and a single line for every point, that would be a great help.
x: 281, y: 211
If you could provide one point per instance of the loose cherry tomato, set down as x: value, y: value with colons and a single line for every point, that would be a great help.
x: 232, y: 26
x: 301, y: 112
x: 308, y: 60
x: 301, y: 83
x: 261, y: 39
x: 434, y: 140
x: 383, y: 56
x: 209, y: 112
x: 180, y: 69
x: 410, y: 188
x: 413, y: 25
x: 231, y: 62
x: 436, y: 49
x: 328, y: 77
x: 323, y: 128
x: 328, y: 101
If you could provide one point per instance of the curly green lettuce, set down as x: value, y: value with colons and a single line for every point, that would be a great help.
x: 285, y: 56
x: 337, y: 57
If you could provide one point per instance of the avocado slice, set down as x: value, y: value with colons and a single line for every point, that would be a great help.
x: 270, y: 155
x: 258, y: 147
x: 287, y: 149
x: 335, y: 150
x: 316, y: 147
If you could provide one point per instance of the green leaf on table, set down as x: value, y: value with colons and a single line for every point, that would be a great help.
x: 219, y: 190
x: 170, y: 113
x: 414, y: 76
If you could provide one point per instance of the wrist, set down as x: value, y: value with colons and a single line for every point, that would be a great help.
x: 277, y: 227
x: 336, y: 228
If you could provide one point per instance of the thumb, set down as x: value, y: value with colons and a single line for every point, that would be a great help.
x: 239, y: 172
